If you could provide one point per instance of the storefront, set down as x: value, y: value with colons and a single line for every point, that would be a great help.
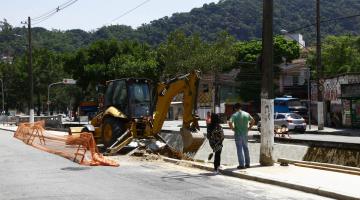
x: 350, y: 93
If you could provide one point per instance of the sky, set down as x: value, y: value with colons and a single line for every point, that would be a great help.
x: 89, y: 15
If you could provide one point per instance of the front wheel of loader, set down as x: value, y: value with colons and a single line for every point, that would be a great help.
x: 112, y: 129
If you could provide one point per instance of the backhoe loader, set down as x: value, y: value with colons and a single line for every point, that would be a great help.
x: 136, y: 108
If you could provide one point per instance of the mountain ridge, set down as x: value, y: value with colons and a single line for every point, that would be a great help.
x: 240, y: 18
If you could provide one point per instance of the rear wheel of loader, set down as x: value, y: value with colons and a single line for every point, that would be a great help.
x: 112, y: 128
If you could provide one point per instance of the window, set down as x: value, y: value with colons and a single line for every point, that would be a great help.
x: 140, y: 93
x: 205, y: 87
x: 295, y: 116
x: 119, y: 97
x: 279, y: 103
x: 280, y: 116
x: 108, y: 94
x: 295, y: 80
x: 294, y: 102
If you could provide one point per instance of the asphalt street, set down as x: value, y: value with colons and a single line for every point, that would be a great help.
x: 28, y: 173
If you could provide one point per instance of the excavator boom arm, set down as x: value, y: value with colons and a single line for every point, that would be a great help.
x: 186, y: 84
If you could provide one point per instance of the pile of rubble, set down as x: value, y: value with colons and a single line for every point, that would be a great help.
x: 150, y: 149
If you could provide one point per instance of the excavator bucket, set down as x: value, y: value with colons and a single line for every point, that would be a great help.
x: 185, y: 144
x: 192, y: 141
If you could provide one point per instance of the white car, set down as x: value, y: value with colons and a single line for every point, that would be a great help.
x: 288, y: 121
x: 292, y: 121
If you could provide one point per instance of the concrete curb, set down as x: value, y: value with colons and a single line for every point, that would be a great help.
x: 282, y: 183
x: 315, y: 143
x: 338, y: 133
x: 324, y: 166
x: 4, y: 129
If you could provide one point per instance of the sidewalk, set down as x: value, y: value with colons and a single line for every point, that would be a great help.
x: 333, y: 131
x: 321, y: 182
x: 13, y: 129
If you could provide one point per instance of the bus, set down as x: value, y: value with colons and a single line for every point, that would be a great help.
x: 288, y: 104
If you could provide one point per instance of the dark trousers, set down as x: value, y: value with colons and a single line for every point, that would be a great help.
x: 217, y: 159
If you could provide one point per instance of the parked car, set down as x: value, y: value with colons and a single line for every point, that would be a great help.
x: 288, y: 121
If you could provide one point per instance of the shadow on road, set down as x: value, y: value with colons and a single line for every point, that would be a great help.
x: 75, y: 168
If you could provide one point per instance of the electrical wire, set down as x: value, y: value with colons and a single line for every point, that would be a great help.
x: 55, y: 10
x: 49, y: 14
x: 324, y: 21
x: 131, y: 10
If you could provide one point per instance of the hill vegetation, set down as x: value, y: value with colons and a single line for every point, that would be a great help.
x: 214, y: 38
x: 240, y: 18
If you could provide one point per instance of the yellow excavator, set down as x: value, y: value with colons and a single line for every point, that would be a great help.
x: 136, y: 108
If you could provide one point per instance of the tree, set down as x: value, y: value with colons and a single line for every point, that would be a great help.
x: 340, y: 54
x: 14, y: 76
x: 180, y: 54
x: 47, y: 69
x: 108, y: 59
x: 248, y: 57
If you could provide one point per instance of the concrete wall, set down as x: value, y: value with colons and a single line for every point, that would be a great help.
x: 332, y: 92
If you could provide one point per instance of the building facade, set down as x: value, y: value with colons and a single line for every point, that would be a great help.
x: 293, y: 79
x: 341, y: 99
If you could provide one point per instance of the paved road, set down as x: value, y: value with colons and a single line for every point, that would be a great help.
x: 28, y: 173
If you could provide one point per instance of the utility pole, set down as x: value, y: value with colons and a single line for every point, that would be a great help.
x: 320, y: 80
x: 267, y: 89
x: 2, y: 96
x: 216, y: 95
x: 30, y: 72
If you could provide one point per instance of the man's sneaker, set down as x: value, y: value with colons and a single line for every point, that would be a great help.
x: 240, y: 167
x: 216, y: 172
x: 247, y: 166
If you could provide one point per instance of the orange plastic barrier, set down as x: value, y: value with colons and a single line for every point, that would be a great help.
x: 80, y: 148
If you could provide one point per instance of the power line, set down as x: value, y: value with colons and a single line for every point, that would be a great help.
x: 324, y: 21
x: 52, y: 12
x: 131, y: 10
x: 55, y: 10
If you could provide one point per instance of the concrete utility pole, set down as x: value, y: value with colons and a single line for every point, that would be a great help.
x: 320, y: 82
x: 30, y: 72
x: 2, y: 96
x: 216, y: 95
x: 267, y: 90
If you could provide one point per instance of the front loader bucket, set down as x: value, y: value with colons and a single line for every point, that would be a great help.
x: 185, y: 143
x: 192, y: 141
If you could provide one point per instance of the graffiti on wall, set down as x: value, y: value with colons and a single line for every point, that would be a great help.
x: 332, y: 87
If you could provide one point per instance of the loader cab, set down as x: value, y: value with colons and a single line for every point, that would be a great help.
x: 130, y: 96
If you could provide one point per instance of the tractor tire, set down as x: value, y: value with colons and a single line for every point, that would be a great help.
x: 112, y: 128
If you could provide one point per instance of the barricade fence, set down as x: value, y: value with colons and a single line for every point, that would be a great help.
x: 80, y: 148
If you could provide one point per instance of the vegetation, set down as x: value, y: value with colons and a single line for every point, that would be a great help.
x: 181, y: 54
x: 110, y: 59
x: 240, y: 18
x: 339, y: 55
x: 214, y: 38
x: 248, y: 56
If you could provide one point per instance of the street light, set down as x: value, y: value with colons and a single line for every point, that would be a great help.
x: 65, y: 81
x: 48, y: 97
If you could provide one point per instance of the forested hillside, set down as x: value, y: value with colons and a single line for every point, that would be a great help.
x: 240, y: 18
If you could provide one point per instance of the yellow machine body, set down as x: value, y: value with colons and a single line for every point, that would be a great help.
x: 106, y: 122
